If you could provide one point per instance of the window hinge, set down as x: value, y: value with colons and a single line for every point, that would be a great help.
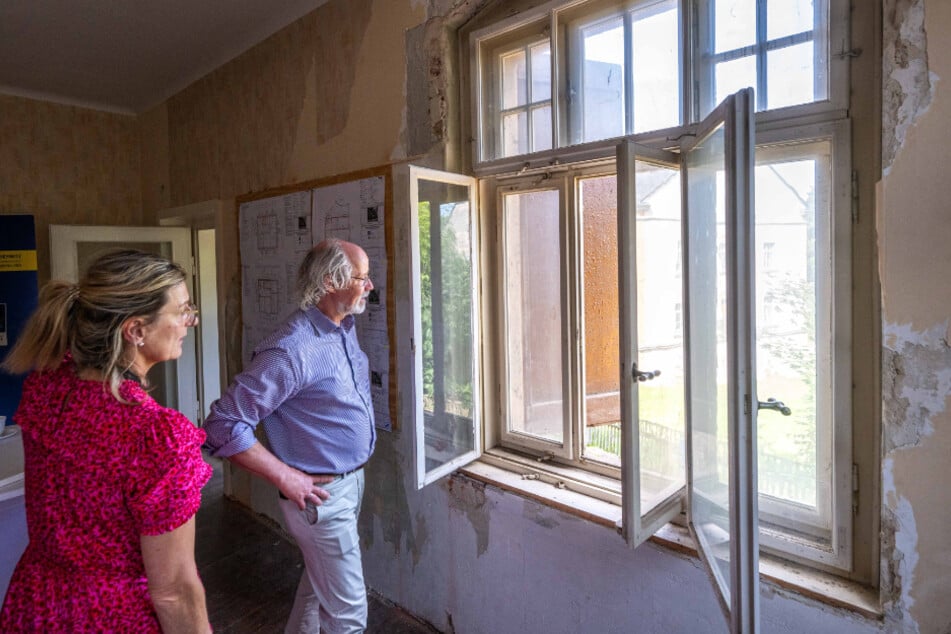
x: 855, y: 197
x: 548, y: 456
x: 855, y: 489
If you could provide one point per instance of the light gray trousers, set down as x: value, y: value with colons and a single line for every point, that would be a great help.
x: 331, y: 593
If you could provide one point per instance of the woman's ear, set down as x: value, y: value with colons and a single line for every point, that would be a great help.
x: 132, y: 331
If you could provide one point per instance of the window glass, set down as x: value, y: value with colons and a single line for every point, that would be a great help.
x: 446, y: 311
x: 734, y: 24
x: 707, y: 321
x: 513, y: 80
x: 791, y: 73
x: 603, y: 79
x: 656, y: 68
x: 515, y: 133
x: 541, y: 72
x: 534, y: 319
x: 659, y: 323
x: 793, y: 300
x: 602, y: 407
x: 734, y: 75
x: 788, y: 17
x: 541, y: 128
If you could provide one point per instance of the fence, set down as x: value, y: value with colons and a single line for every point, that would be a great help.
x: 662, y: 451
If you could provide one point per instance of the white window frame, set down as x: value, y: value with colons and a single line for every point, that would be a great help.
x: 826, y: 120
x: 412, y: 175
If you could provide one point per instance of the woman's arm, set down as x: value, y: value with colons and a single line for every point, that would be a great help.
x: 174, y: 585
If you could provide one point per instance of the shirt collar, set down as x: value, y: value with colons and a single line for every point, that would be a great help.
x: 324, y: 324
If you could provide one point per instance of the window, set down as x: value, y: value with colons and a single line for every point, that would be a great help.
x: 652, y: 291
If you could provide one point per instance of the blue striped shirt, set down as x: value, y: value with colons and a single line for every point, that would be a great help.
x: 308, y: 382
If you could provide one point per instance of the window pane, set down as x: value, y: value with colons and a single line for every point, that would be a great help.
x: 793, y: 353
x: 534, y: 322
x: 660, y: 401
x: 790, y: 75
x: 734, y: 76
x: 603, y: 83
x: 708, y: 350
x: 598, y: 198
x: 659, y: 333
x: 656, y: 69
x: 541, y: 128
x: 541, y: 72
x: 445, y: 252
x: 514, y: 134
x: 788, y: 17
x: 514, y: 90
x: 735, y: 25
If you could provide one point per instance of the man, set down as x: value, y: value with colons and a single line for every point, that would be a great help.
x: 309, y: 384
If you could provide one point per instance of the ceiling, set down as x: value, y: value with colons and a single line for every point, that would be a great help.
x: 128, y: 56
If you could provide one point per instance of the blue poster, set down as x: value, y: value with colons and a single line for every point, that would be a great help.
x: 19, y: 290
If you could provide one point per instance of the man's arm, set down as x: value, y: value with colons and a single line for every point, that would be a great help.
x: 293, y: 483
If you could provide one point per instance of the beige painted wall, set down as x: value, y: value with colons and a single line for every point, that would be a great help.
x: 915, y: 263
x: 67, y: 165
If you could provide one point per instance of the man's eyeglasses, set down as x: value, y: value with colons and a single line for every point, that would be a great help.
x: 189, y: 315
x: 365, y: 280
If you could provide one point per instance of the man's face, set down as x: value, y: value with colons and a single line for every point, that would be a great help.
x: 352, y: 300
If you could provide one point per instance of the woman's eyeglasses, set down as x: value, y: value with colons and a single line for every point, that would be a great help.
x: 189, y: 315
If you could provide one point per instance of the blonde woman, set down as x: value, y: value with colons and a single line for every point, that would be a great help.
x: 113, y: 479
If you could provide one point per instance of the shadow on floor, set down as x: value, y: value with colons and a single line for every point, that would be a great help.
x: 250, y: 571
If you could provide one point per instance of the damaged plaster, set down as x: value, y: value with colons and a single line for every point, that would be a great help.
x: 468, y: 496
x: 432, y: 75
x: 915, y: 389
x: 335, y: 80
x: 916, y: 383
x: 908, y: 84
x: 900, y: 539
x: 385, y: 499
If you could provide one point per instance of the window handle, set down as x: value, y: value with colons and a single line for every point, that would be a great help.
x: 772, y: 403
x: 637, y: 375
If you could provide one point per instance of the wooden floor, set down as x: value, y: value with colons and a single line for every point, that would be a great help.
x: 250, y: 572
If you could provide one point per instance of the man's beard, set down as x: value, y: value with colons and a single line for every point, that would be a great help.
x: 358, y: 308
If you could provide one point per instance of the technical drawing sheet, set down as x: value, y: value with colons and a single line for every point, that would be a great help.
x: 275, y: 235
x: 353, y: 211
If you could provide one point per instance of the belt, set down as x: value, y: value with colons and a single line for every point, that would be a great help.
x: 335, y: 476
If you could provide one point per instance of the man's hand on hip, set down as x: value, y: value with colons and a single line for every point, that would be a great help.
x: 302, y: 488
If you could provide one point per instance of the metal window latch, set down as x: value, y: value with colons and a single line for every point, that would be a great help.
x: 772, y: 403
x: 637, y: 375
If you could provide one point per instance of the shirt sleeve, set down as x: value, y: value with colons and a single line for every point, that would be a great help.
x: 167, y: 473
x: 269, y: 380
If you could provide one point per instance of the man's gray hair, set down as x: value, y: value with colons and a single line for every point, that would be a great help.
x: 325, y: 268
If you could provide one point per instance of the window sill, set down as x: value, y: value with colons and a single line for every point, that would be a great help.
x: 781, y: 575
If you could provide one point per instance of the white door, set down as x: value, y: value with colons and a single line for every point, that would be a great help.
x: 73, y: 247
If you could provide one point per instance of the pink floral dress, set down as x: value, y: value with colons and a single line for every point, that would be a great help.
x: 99, y: 474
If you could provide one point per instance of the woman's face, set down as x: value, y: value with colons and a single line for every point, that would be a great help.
x: 162, y: 338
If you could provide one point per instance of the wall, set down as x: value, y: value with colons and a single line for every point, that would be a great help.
x: 914, y: 233
x: 363, y: 83
x: 67, y: 165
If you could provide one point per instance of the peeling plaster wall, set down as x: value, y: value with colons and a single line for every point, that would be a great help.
x: 914, y: 229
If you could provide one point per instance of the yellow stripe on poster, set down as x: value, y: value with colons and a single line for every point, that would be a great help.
x: 17, y: 261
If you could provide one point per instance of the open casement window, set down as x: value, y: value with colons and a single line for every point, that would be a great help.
x: 721, y: 376
x: 715, y: 173
x: 443, y: 237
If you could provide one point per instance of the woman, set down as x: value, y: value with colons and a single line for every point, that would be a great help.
x: 113, y: 479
